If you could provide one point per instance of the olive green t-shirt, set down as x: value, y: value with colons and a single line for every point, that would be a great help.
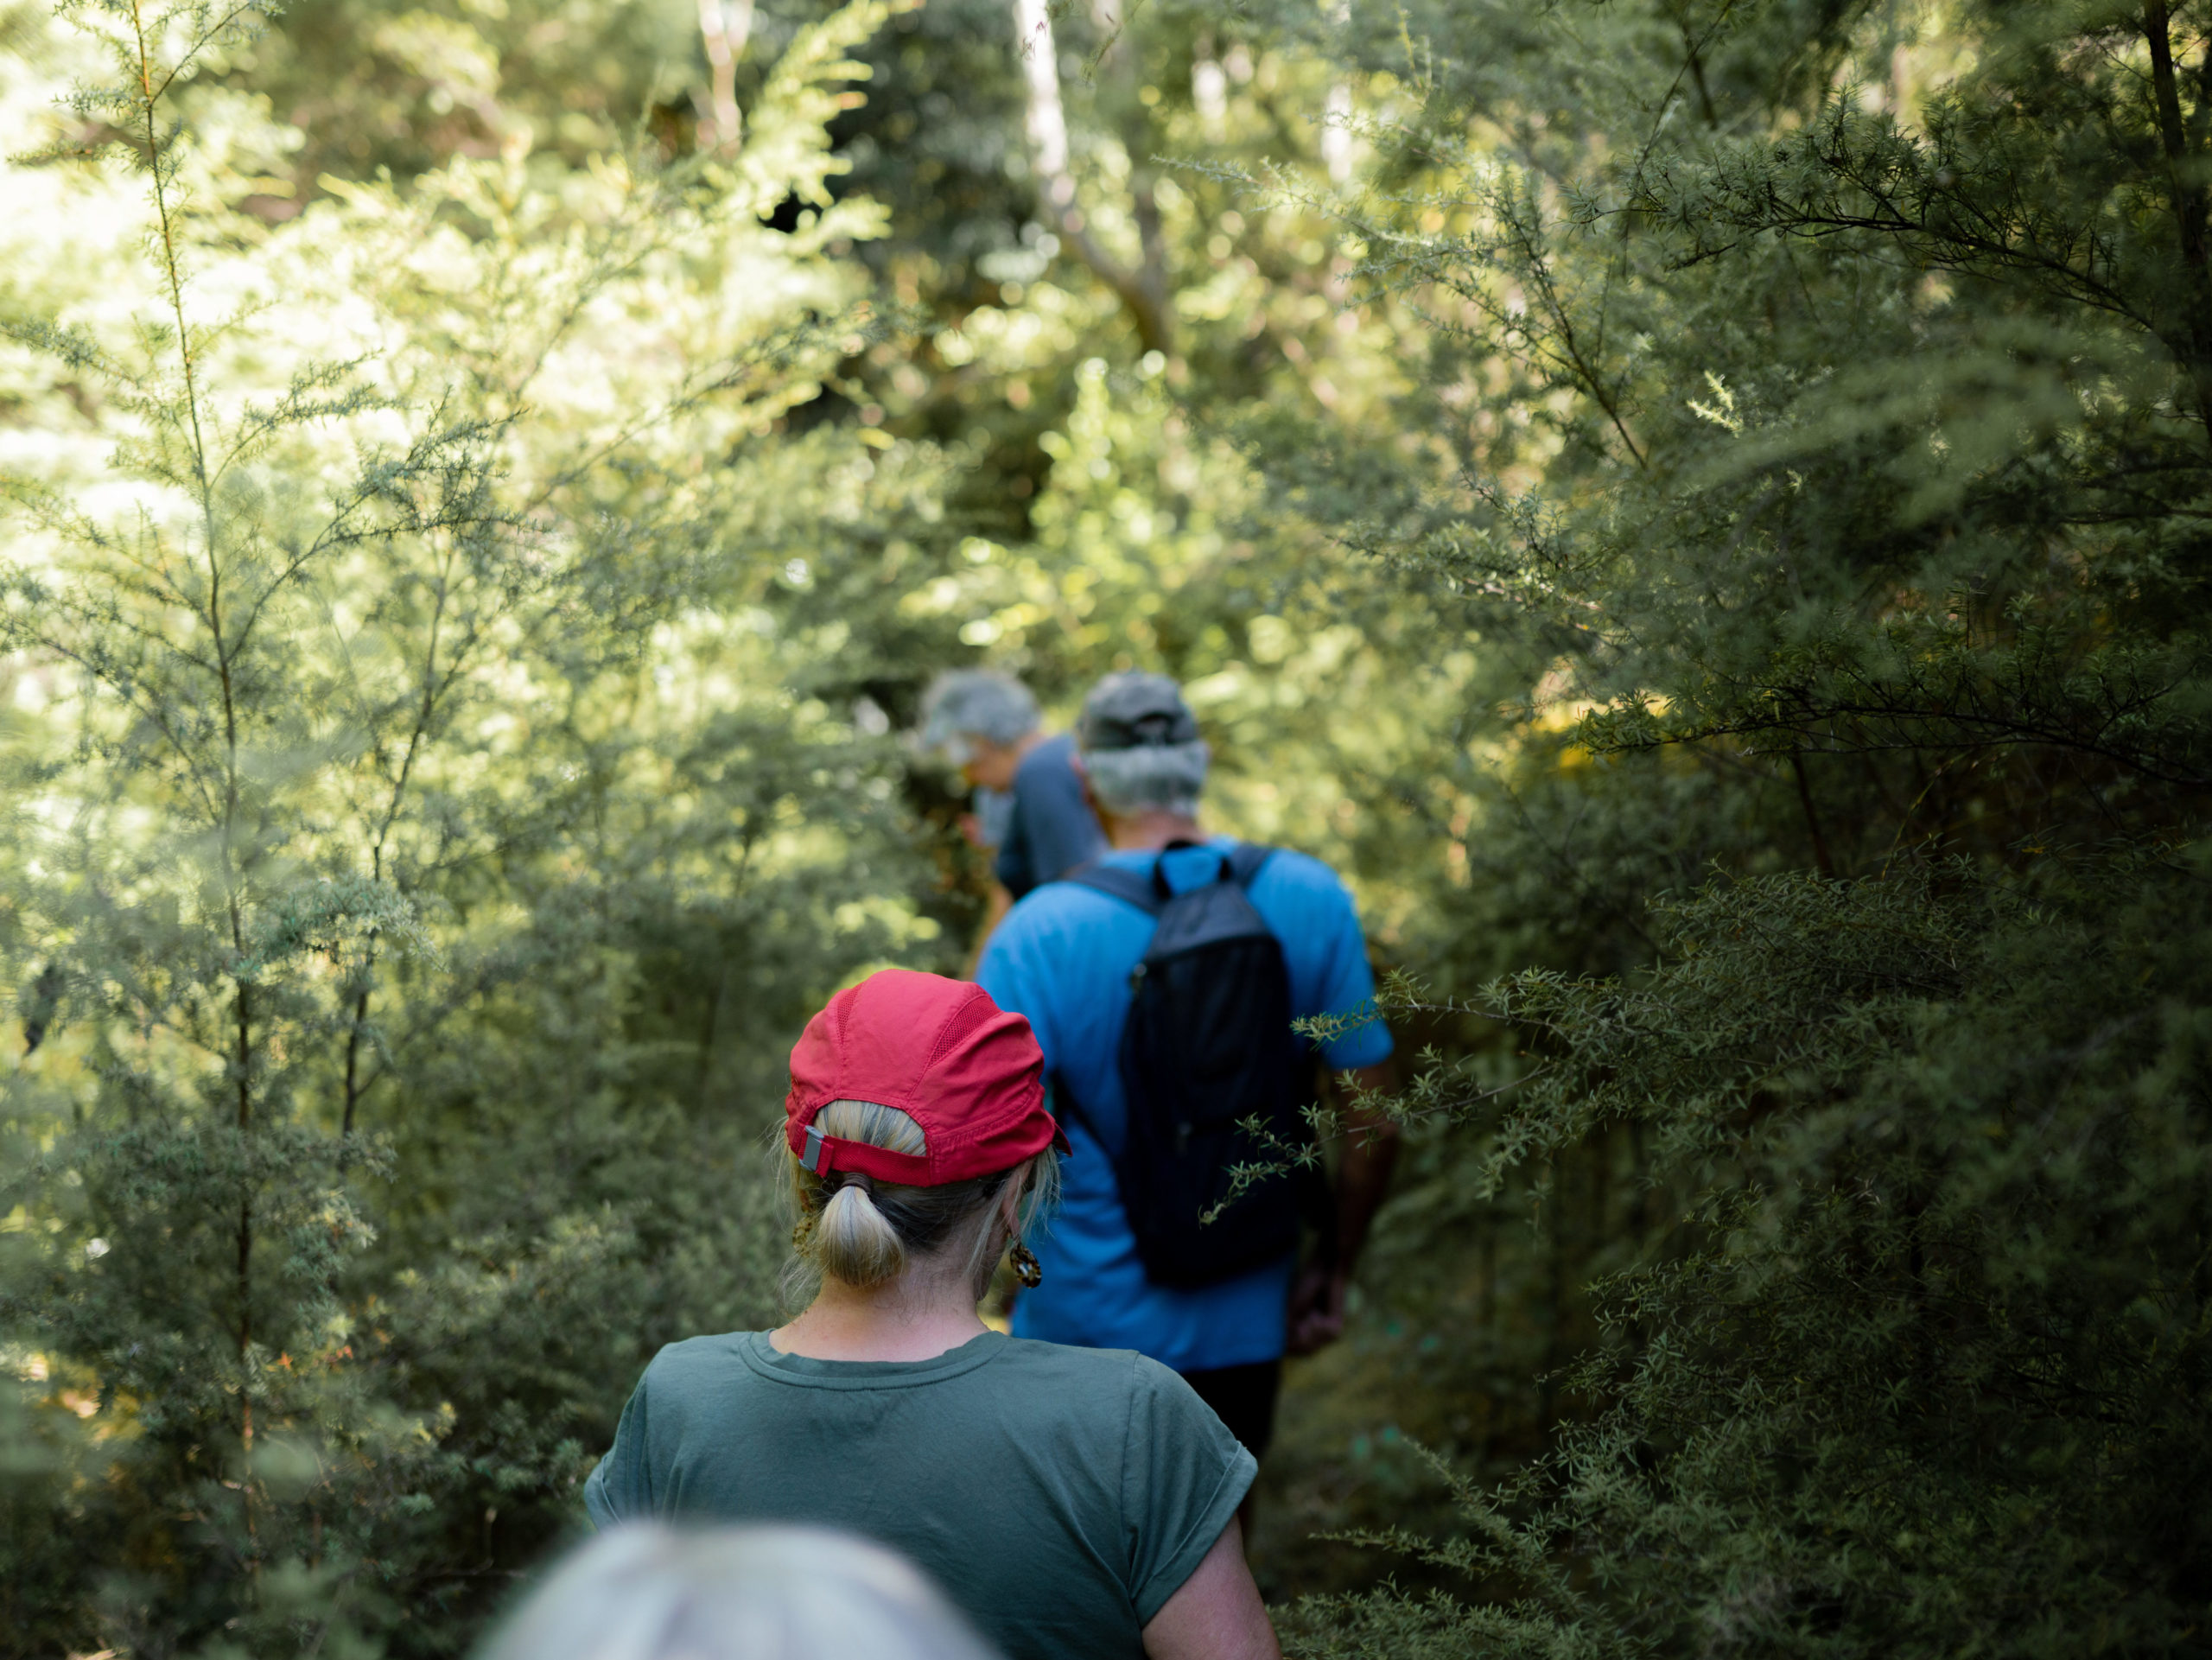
x: 1058, y: 1496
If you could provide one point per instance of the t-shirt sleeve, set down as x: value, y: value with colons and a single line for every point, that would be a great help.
x: 620, y: 1489
x: 1183, y: 1476
x: 1346, y: 982
x: 1057, y: 828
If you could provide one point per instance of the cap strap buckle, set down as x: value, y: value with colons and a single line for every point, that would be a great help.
x: 815, y: 1156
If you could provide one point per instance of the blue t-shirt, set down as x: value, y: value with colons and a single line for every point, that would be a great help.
x: 1062, y: 957
x: 1050, y: 829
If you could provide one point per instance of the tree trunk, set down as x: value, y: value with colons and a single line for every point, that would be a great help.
x: 1143, y: 292
x: 724, y: 26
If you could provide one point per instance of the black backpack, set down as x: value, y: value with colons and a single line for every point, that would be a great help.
x: 1208, y: 1043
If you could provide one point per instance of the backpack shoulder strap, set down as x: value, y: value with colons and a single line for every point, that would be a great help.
x: 1060, y: 1101
x: 1244, y: 864
x: 1125, y: 885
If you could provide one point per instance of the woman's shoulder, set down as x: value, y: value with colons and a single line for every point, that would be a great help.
x: 1122, y: 1374
x: 1169, y: 1469
x: 692, y: 1359
x: 1033, y: 1354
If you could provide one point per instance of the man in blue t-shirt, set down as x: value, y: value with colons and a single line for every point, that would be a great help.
x: 1062, y: 958
x: 1029, y: 798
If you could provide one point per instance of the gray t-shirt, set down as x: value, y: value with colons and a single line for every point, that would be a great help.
x: 1051, y: 830
x: 1058, y: 1496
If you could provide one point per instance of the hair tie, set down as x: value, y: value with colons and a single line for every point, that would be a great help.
x: 845, y: 1178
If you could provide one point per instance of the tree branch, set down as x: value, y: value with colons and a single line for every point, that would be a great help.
x: 725, y: 25
x: 2187, y: 200
x: 1143, y: 292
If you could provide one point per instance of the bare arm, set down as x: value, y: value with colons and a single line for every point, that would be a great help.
x: 1317, y: 1304
x: 1216, y: 1613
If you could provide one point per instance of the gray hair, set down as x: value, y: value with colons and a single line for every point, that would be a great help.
x: 1168, y: 777
x: 646, y: 1592
x: 964, y: 704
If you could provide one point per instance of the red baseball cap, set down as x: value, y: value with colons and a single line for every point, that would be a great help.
x: 940, y: 1051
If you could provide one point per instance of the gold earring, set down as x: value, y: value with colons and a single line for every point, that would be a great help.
x: 1026, y: 1268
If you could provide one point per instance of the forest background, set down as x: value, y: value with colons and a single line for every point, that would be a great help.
x: 1698, y: 507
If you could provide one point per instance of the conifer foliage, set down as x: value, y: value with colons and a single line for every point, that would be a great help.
x: 358, y: 677
x: 1697, y: 506
x: 1872, y: 496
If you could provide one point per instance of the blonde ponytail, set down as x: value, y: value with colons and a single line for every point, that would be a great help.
x: 854, y: 1243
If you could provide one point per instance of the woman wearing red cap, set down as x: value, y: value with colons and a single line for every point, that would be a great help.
x: 1073, y: 1502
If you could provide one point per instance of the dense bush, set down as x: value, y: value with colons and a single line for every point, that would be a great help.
x: 1697, y: 508
x: 363, y: 788
x: 1879, y: 453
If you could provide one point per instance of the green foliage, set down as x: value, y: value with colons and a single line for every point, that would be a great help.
x: 1862, y: 531
x: 373, y: 795
x: 1921, y: 1361
x: 1696, y: 508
